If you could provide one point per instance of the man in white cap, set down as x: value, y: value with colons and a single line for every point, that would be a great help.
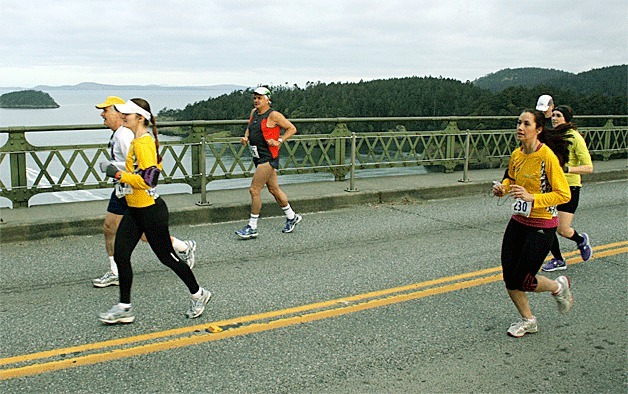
x: 119, y: 148
x: 545, y: 104
x: 264, y: 139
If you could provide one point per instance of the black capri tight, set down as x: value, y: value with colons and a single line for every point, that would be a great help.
x: 152, y: 221
x: 524, y: 249
x: 572, y: 205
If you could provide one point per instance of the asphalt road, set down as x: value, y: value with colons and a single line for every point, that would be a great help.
x: 392, y: 298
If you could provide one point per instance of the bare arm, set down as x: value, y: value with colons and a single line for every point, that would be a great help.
x: 583, y: 157
x: 585, y: 169
x: 277, y: 119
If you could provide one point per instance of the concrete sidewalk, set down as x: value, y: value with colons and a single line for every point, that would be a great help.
x: 83, y: 218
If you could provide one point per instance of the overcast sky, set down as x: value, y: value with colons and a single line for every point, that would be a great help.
x: 208, y: 42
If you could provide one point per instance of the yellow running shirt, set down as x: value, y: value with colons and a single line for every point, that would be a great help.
x: 540, y: 174
x: 142, y: 154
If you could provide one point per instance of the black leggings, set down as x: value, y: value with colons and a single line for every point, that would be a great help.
x: 524, y: 249
x: 152, y: 221
x: 569, y: 207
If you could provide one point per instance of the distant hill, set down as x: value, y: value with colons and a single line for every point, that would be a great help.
x: 509, y: 77
x: 27, y: 99
x: 608, y: 81
x: 105, y: 87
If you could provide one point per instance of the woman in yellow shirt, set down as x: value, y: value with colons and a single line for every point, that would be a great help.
x: 537, y: 183
x: 147, y: 213
x: 579, y: 163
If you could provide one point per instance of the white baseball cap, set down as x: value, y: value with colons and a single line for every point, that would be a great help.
x: 544, y: 102
x: 262, y: 91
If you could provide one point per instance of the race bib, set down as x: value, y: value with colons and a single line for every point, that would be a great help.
x: 153, y: 193
x: 254, y: 151
x: 122, y: 189
x: 521, y: 207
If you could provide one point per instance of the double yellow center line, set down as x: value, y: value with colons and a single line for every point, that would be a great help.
x: 98, y: 352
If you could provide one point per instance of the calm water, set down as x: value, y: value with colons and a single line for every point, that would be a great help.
x: 78, y: 108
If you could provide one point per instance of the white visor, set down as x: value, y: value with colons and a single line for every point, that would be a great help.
x: 131, y: 108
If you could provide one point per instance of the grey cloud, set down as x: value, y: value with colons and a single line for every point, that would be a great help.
x: 172, y: 41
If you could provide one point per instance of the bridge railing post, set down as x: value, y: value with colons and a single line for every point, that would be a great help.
x: 467, y: 150
x: 203, y: 171
x: 607, y: 139
x: 340, y: 134
x: 352, y: 187
x: 451, y: 132
x: 196, y: 134
x: 18, y: 147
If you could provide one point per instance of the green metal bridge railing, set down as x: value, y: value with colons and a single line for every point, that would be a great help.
x: 204, y: 155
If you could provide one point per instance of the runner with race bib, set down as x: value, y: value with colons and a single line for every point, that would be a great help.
x: 263, y: 136
x: 536, y: 181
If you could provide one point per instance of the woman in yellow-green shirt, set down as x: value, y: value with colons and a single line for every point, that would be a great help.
x: 579, y: 163
x: 537, y: 183
x: 147, y: 213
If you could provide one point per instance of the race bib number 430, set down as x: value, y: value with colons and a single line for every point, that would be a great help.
x: 521, y: 207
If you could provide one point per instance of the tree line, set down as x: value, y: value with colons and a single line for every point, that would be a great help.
x: 402, y: 97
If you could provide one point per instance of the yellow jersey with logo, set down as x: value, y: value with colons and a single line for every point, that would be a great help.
x: 540, y: 174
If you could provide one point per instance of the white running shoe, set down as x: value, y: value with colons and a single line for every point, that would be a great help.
x: 117, y: 315
x: 108, y: 279
x: 564, y: 298
x: 189, y: 255
x: 523, y: 327
x: 198, y: 306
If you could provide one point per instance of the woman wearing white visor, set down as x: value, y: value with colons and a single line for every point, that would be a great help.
x: 263, y: 135
x: 147, y: 213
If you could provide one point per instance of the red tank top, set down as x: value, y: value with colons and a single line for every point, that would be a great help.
x: 259, y: 132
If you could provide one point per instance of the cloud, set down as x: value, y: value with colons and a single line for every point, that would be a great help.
x: 210, y: 42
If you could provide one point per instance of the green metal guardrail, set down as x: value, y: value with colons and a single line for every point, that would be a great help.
x: 202, y: 156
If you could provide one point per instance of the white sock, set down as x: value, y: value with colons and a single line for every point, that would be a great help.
x: 198, y: 294
x: 124, y: 306
x: 113, y: 265
x: 179, y: 245
x: 288, y: 211
x: 253, y: 221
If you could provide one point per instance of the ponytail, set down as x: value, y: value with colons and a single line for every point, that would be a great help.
x: 152, y: 120
x: 558, y: 140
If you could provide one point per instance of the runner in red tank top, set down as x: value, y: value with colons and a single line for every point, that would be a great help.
x: 263, y: 136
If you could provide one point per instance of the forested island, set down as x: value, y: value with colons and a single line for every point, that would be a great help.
x: 27, y: 99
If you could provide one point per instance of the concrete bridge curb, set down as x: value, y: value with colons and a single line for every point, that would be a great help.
x: 86, y: 218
